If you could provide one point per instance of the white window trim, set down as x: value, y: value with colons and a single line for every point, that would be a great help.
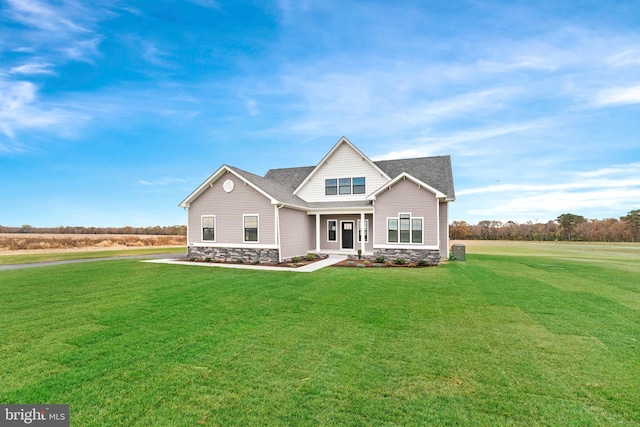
x: 243, y: 229
x: 398, y: 230
x: 215, y: 226
x: 366, y: 239
x: 411, y: 218
x: 336, y: 221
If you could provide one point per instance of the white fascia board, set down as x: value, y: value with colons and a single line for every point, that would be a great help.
x: 404, y: 175
x: 338, y: 211
x: 290, y: 206
x: 342, y: 140
x: 207, y: 183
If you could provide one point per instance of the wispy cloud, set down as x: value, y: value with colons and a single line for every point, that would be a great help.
x: 162, y: 181
x: 605, y: 190
x: 618, y: 96
x: 19, y: 110
x: 33, y: 68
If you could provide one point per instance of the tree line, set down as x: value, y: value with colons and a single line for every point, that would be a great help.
x: 568, y: 226
x: 172, y: 230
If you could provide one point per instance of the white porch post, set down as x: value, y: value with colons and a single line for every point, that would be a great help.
x: 317, y: 232
x: 362, y: 232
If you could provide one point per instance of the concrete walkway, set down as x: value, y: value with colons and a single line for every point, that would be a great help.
x: 333, y: 259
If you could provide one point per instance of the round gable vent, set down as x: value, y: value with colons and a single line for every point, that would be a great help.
x: 228, y: 186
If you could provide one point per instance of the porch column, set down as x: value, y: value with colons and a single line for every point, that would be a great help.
x: 362, y: 231
x: 317, y: 232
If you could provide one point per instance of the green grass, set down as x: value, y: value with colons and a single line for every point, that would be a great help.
x: 495, y: 340
x: 69, y: 255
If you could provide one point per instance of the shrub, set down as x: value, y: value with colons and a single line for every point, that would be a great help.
x: 399, y: 261
x: 192, y: 258
x: 366, y: 262
x: 255, y: 262
x: 423, y: 263
x: 296, y: 259
x: 350, y: 263
x: 377, y: 265
x: 239, y: 261
x: 310, y: 257
x: 379, y: 259
x: 411, y: 264
x: 388, y: 263
x: 359, y: 253
x: 360, y: 265
x: 207, y: 259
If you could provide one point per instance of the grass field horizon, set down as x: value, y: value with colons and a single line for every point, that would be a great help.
x: 516, y: 335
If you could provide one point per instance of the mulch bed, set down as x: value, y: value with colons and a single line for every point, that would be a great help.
x: 361, y: 264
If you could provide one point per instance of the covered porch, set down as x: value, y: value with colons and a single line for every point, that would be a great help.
x: 343, y: 231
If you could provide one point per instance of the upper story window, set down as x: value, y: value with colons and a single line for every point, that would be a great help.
x: 358, y: 185
x: 344, y: 186
x: 330, y: 187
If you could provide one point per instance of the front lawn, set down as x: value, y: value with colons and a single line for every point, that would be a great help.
x: 495, y: 340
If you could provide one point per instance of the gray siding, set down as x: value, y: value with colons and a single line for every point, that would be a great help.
x: 295, y: 239
x: 335, y: 246
x: 444, y: 229
x: 228, y: 209
x: 406, y: 197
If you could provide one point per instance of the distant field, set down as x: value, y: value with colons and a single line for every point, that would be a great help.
x: 40, y: 242
x: 615, y: 252
x: 28, y: 248
x: 518, y: 335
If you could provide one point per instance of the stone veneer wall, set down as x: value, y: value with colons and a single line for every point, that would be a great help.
x: 266, y: 256
x: 432, y: 256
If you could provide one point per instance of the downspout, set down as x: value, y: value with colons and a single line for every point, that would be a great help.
x: 186, y: 209
x: 277, y: 211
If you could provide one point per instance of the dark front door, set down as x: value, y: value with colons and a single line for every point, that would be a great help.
x: 347, y: 235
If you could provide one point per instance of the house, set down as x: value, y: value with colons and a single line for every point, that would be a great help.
x: 345, y: 204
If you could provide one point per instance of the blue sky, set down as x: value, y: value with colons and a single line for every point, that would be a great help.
x: 112, y: 112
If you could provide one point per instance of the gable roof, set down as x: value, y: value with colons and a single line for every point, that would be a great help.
x: 280, y: 185
x: 403, y: 176
x: 434, y: 171
x: 274, y: 191
x: 289, y: 177
x: 342, y: 141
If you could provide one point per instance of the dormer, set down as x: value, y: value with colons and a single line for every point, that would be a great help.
x: 344, y: 174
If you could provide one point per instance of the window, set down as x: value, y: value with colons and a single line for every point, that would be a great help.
x: 332, y: 230
x: 392, y: 227
x: 209, y: 228
x: 330, y: 187
x: 358, y: 185
x: 404, y: 229
x: 250, y: 228
x: 416, y: 230
x: 366, y: 231
x: 335, y: 186
x: 345, y: 185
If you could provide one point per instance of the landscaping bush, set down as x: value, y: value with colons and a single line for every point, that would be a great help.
x: 256, y: 262
x: 296, y: 259
x: 379, y: 259
x: 239, y: 261
x: 310, y: 257
x: 398, y: 261
x: 423, y: 263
